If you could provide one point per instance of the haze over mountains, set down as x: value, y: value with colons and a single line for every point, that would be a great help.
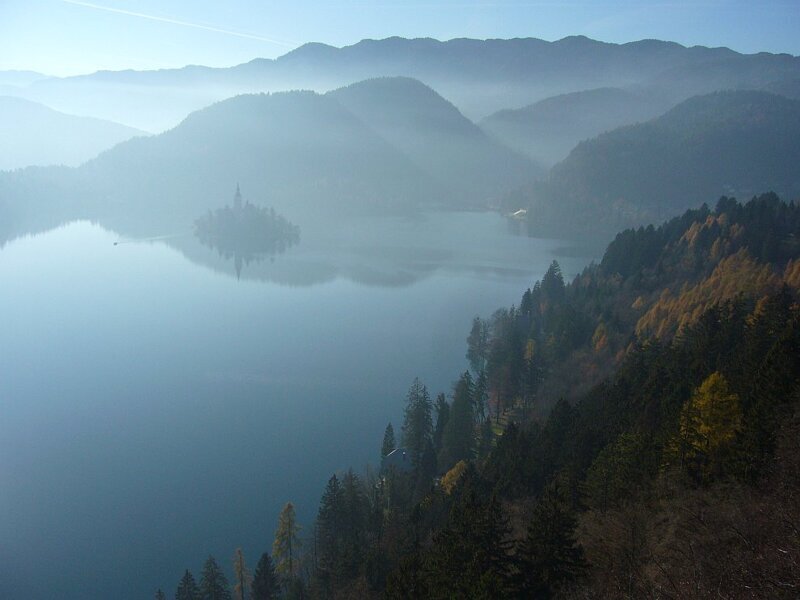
x: 436, y: 137
x: 479, y: 76
x: 34, y: 134
x: 547, y: 130
x: 394, y: 133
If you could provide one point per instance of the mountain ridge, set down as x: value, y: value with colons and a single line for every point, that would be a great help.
x: 478, y: 76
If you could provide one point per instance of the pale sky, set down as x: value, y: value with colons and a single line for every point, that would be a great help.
x: 66, y: 37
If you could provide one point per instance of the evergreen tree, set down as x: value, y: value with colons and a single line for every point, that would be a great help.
x: 426, y: 471
x: 486, y: 438
x: 329, y: 532
x: 480, y: 397
x: 470, y: 556
x: 549, y: 556
x: 389, y: 443
x: 241, y: 576
x: 213, y: 583
x: 354, y: 520
x: 187, y: 588
x: 478, y: 344
x: 265, y: 580
x: 286, y: 543
x: 442, y: 414
x: 553, y: 285
x: 160, y: 595
x: 418, y: 424
x: 408, y: 580
x: 458, y: 442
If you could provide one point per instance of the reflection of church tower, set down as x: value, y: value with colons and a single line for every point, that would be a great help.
x: 237, y: 199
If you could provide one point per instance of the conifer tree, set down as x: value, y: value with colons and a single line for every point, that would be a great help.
x: 480, y: 397
x: 710, y: 421
x: 549, y: 555
x: 265, y: 580
x: 329, y: 530
x: 286, y: 543
x: 442, y: 415
x: 354, y: 518
x: 213, y: 583
x: 470, y: 556
x: 389, y: 443
x: 187, y: 588
x: 478, y: 344
x: 458, y: 442
x: 160, y: 595
x: 418, y: 424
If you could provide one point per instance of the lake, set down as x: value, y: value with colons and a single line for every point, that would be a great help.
x: 158, y: 408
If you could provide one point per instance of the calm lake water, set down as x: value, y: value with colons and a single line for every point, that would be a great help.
x: 157, y: 409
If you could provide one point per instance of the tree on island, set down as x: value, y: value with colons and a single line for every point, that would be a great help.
x: 246, y: 232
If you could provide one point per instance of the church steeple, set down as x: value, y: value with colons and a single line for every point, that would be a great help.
x: 237, y: 199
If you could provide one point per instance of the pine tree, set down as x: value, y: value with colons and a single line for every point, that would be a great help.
x: 458, y: 442
x: 549, y: 556
x: 160, y: 595
x: 286, y: 543
x: 329, y: 531
x: 265, y: 581
x: 442, y: 415
x: 418, y: 424
x: 480, y: 397
x: 354, y: 519
x: 470, y: 556
x: 241, y: 576
x: 389, y: 443
x: 213, y: 583
x: 553, y: 285
x: 187, y: 588
x: 478, y: 344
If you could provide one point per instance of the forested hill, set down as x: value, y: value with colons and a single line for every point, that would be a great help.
x: 437, y: 138
x: 723, y: 143
x: 672, y: 472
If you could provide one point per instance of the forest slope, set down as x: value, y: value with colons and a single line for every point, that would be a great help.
x: 726, y: 143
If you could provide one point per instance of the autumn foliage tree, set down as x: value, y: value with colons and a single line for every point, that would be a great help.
x: 709, y: 423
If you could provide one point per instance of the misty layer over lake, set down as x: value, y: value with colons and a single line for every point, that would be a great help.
x: 156, y: 409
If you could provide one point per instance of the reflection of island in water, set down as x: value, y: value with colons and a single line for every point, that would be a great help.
x: 246, y: 232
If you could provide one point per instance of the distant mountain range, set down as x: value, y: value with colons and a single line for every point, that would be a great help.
x: 20, y: 78
x: 33, y: 134
x: 725, y: 143
x: 391, y: 142
x: 479, y: 76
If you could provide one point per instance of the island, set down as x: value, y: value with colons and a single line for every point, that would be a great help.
x: 245, y: 232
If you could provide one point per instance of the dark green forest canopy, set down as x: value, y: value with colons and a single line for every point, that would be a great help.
x: 671, y: 471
